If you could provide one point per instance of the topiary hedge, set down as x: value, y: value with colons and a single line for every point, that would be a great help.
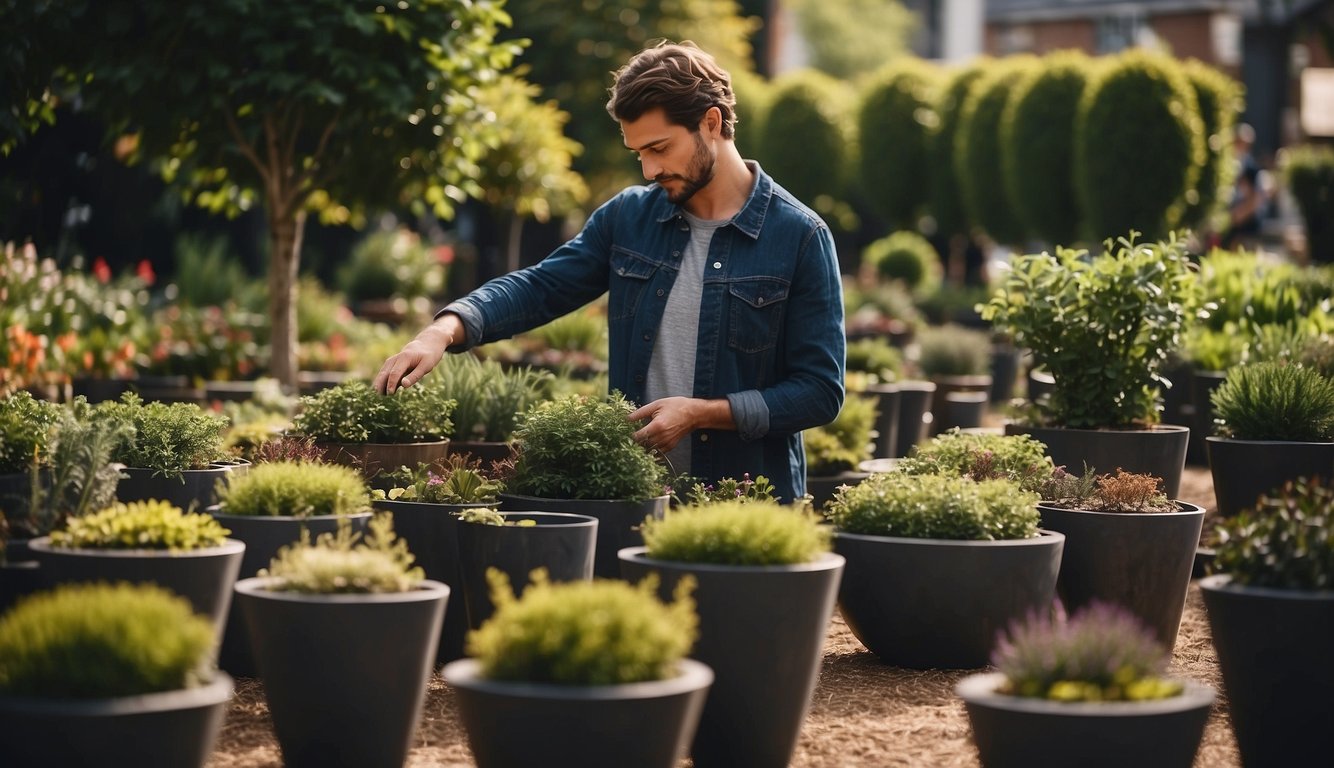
x: 978, y: 150
x: 895, y: 123
x: 906, y: 257
x: 946, y: 203
x: 1220, y: 100
x: 753, y: 94
x: 805, y: 142
x: 1309, y: 171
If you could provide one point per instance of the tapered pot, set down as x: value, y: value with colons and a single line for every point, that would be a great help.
x: 1159, y: 451
x: 559, y: 542
x: 171, y: 728
x: 618, y: 522
x: 1245, y: 470
x: 519, y: 725
x: 1202, y: 386
x: 936, y: 603
x: 886, y: 418
x: 1019, y: 732
x: 822, y: 488
x: 962, y: 410
x: 370, y: 459
x: 344, y: 675
x: 1005, y: 359
x: 947, y: 385
x: 193, y: 490
x: 914, y: 415
x: 762, y: 630
x: 1274, y: 651
x: 1140, y: 561
x: 20, y: 573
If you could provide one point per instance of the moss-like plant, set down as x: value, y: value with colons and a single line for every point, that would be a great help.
x: 953, y: 350
x: 1286, y: 541
x: 150, y: 524
x: 1018, y: 458
x: 455, y: 480
x: 168, y: 438
x: 292, y: 489
x: 345, y: 562
x: 737, y: 533
x: 489, y: 399
x: 905, y: 257
x: 1275, y: 401
x: 1103, y: 653
x: 353, y: 412
x: 843, y: 443
x: 1121, y: 492
x: 584, y: 633
x: 895, y: 122
x: 25, y: 423
x: 94, y: 641
x: 935, y: 507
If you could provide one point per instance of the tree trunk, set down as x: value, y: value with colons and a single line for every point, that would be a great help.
x: 285, y: 232
x: 513, y: 241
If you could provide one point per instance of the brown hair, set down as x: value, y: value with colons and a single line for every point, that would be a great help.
x: 679, y: 78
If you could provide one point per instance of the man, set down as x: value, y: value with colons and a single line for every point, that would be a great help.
x: 1248, y: 197
x: 725, y: 306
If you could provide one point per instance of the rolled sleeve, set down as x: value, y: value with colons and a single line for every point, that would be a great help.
x: 750, y: 413
x: 472, y: 323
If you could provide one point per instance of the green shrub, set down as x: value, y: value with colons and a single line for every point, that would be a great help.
x: 1250, y: 291
x: 1018, y: 458
x: 827, y: 456
x: 1220, y: 100
x: 753, y: 94
x: 875, y: 355
x: 150, y: 524
x: 489, y: 399
x: 345, y: 562
x: 353, y: 412
x: 295, y: 489
x: 851, y: 438
x: 736, y: 533
x: 25, y: 424
x: 1103, y: 653
x: 935, y: 507
x: 1211, y: 350
x: 905, y: 257
x: 806, y: 138
x: 391, y: 263
x: 1037, y: 145
x: 1139, y: 145
x: 1286, y: 541
x: 1309, y: 172
x: 953, y: 350
x: 946, y: 196
x: 584, y: 633
x: 455, y: 480
x: 895, y: 122
x: 1275, y: 401
x: 167, y: 438
x: 978, y: 150
x: 94, y: 641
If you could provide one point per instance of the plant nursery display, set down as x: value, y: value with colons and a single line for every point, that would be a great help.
x: 835, y: 450
x: 489, y: 402
x: 170, y: 452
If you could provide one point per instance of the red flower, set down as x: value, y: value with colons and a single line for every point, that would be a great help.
x: 101, y: 271
x: 145, y: 272
x: 444, y: 254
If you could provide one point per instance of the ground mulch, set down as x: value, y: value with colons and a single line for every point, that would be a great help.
x: 863, y: 713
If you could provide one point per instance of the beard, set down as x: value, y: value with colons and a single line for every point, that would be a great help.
x: 699, y: 172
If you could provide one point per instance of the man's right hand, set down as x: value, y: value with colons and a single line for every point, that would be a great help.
x: 420, y: 355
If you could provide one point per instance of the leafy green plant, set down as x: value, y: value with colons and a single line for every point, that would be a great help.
x: 1211, y: 350
x: 1250, y: 291
x: 166, y: 438
x: 737, y: 533
x: 489, y: 398
x: 935, y: 507
x: 905, y: 257
x: 876, y: 356
x: 895, y: 121
x: 805, y: 137
x: 345, y: 562
x: 953, y: 350
x: 353, y: 412
x: 1018, y: 458
x: 295, y: 489
x: 1286, y: 541
x: 1121, y: 492
x: 978, y: 149
x: 1220, y: 99
x: 454, y: 480
x: 1309, y: 172
x: 584, y: 633
x: 150, y: 524
x: 25, y: 424
x: 388, y: 264
x: 843, y: 443
x: 1102, y: 653
x: 946, y: 198
x: 96, y: 641
x: 729, y: 489
x: 1275, y: 401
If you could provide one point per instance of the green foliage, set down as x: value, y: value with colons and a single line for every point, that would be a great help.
x: 851, y: 444
x: 935, y: 507
x: 729, y: 489
x: 488, y: 516
x: 581, y: 331
x: 1211, y: 350
x: 852, y: 38
x: 806, y: 140
x: 489, y: 398
x: 1309, y: 173
x: 97, y: 641
x: 953, y: 350
x: 1139, y: 146
x: 906, y: 257
x: 1220, y: 100
x: 584, y: 633
x: 1103, y: 653
x: 150, y: 524
x: 1250, y: 291
x: 207, y: 275
x: 295, y: 489
x: 979, y: 149
x: 581, y: 447
x: 25, y: 425
x: 1275, y: 401
x: 346, y: 562
x: 737, y: 533
x: 455, y: 480
x: 947, y: 204
x: 826, y: 455
x: 1285, y: 541
x: 752, y: 106
x: 1101, y: 325
x: 1018, y: 458
x: 1037, y: 145
x: 875, y: 355
x: 895, y: 123
x: 167, y: 438
x: 353, y: 412
x: 1122, y: 492
x: 391, y: 263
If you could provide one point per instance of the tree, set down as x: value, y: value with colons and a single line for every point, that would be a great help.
x: 849, y: 38
x: 323, y: 106
x: 896, y: 122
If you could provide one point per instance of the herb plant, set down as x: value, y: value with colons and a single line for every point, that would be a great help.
x: 1126, y: 492
x: 24, y: 426
x: 292, y: 489
x: 456, y: 480
x: 1018, y: 458
x: 345, y: 562
x: 1286, y: 541
x: 1275, y: 401
x: 166, y: 438
x: 935, y: 507
x: 737, y: 533
x: 729, y: 489
x: 953, y: 350
x: 150, y: 524
x: 353, y: 412
x: 489, y: 399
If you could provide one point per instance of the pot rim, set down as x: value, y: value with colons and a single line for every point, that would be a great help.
x: 564, y: 519
x: 215, y: 510
x: 521, y: 496
x: 257, y: 587
x: 1221, y: 583
x: 827, y: 561
x: 1044, y: 538
x: 466, y: 673
x: 1221, y: 439
x: 1151, y: 429
x: 980, y: 689
x: 1184, y: 508
x: 229, y: 546
x: 216, y: 691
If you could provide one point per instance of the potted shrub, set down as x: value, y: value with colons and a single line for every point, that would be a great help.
x: 957, y: 360
x: 937, y: 565
x: 767, y: 583
x: 78, y: 685
x: 1275, y: 422
x: 981, y: 456
x: 1102, y: 326
x: 1271, y: 616
x: 1086, y: 692
x: 874, y: 367
x: 835, y: 451
x: 25, y: 426
x: 578, y: 454
x: 341, y: 697
x: 171, y: 453
x: 590, y: 673
x: 489, y: 401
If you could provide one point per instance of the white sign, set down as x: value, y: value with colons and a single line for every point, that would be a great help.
x: 1318, y: 102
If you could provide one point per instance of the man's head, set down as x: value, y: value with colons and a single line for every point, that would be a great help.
x: 681, y: 80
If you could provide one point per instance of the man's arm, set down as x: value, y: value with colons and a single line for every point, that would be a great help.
x: 672, y: 419
x: 420, y: 355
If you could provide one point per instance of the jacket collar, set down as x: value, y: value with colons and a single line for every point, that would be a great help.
x: 749, y: 219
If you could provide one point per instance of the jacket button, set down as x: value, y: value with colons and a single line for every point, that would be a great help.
x: 717, y: 265
x: 760, y: 300
x: 675, y: 254
x: 661, y: 291
x: 704, y: 438
x: 647, y: 337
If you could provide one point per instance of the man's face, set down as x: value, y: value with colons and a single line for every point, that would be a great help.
x: 678, y: 159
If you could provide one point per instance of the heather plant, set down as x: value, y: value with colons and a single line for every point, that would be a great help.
x: 1286, y: 541
x: 98, y: 641
x: 1122, y: 491
x: 489, y: 399
x: 586, y: 633
x: 1018, y: 458
x: 1275, y: 401
x: 166, y: 438
x: 25, y: 424
x: 344, y: 562
x: 295, y: 489
x: 289, y: 448
x: 935, y: 507
x: 455, y: 480
x: 353, y: 412
x: 150, y: 524
x: 736, y: 533
x: 953, y: 350
x: 1102, y: 653
x: 729, y: 489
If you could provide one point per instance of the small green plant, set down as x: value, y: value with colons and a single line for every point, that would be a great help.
x: 290, y: 448
x: 167, y: 438
x: 488, y: 516
x: 295, y: 489
x: 935, y: 507
x: 729, y: 489
x: 391, y: 264
x: 953, y: 350
x: 876, y: 356
x: 25, y: 423
x: 843, y: 443
x: 736, y: 533
x: 1103, y: 653
x: 584, y: 633
x: 489, y: 399
x: 454, y: 480
x: 1214, y: 350
x: 1018, y: 458
x: 353, y: 412
x: 1275, y: 401
x: 1122, y: 492
x: 1286, y: 541
x: 150, y: 524
x: 95, y: 641
x: 905, y: 257
x: 345, y: 562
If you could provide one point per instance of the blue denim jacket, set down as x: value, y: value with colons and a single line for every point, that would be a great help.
x: 771, y: 336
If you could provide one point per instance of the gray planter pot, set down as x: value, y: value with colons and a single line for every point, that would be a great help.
x: 823, y: 487
x: 195, y: 489
x: 1159, y: 451
x: 914, y: 415
x: 886, y: 418
x: 948, y: 385
x: 618, y: 522
x: 1245, y: 470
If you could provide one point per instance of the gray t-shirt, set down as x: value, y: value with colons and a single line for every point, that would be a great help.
x: 671, y: 371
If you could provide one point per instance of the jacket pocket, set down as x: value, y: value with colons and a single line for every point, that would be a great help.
x: 630, y: 275
x: 756, y: 313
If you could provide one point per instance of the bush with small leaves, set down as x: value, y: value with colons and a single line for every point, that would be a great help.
x: 345, y: 562
x: 1018, y: 458
x: 953, y: 350
x: 895, y: 122
x: 1286, y: 541
x: 935, y: 507
x: 25, y: 423
x: 353, y: 412
x: 805, y: 138
x: 978, y: 150
x: 1275, y: 401
x: 150, y: 524
x: 96, y: 641
x: 291, y: 489
x: 843, y: 443
x: 875, y: 356
x: 905, y: 257
x: 946, y: 198
x: 737, y: 533
x: 1220, y: 100
x: 167, y: 438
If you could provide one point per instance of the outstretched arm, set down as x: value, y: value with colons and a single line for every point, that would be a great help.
x: 420, y: 355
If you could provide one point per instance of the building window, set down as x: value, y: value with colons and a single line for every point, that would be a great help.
x: 1117, y: 33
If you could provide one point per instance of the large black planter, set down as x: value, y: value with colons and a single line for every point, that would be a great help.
x: 762, y: 631
x: 559, y: 542
x: 1005, y: 359
x: 345, y: 675
x: 1202, y: 386
x: 1141, y: 562
x: 20, y: 573
x: 618, y: 522
x: 193, y: 490
x: 172, y: 728
x: 822, y: 488
x: 947, y: 385
x: 519, y: 725
x: 1159, y: 451
x: 914, y: 415
x: 886, y: 418
x: 935, y: 603
x: 1017, y: 732
x: 962, y: 410
x: 1245, y: 470
x: 1274, y: 651
x: 370, y: 459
